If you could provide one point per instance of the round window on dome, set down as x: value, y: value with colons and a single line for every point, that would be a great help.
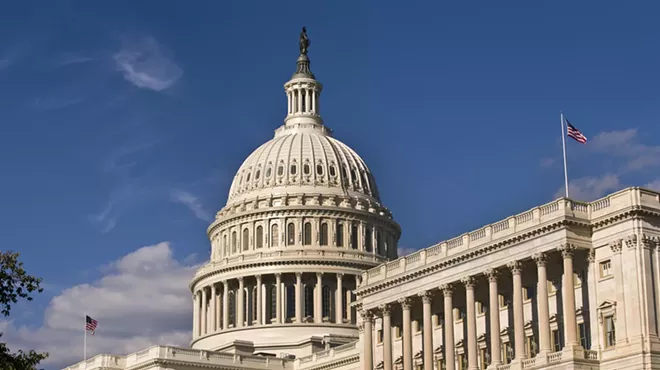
x: 319, y: 169
x: 306, y: 169
x: 294, y: 169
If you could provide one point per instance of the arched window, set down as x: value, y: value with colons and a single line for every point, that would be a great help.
x: 319, y: 169
x: 294, y: 169
x: 368, y: 239
x: 274, y: 235
x: 380, y: 244
x: 273, y: 302
x: 233, y: 241
x: 333, y: 172
x: 307, y: 240
x: 309, y: 300
x: 256, y: 175
x: 246, y: 239
x: 354, y: 177
x: 327, y: 302
x: 354, y: 236
x: 280, y: 170
x: 268, y: 171
x: 225, y: 246
x: 232, y: 309
x: 248, y: 177
x: 323, y: 238
x: 290, y: 301
x: 306, y: 169
x: 291, y: 234
x: 340, y: 234
x: 260, y: 237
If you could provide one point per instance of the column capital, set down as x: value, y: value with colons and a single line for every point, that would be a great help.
x: 616, y: 246
x: 225, y: 283
x: 298, y: 275
x: 213, y: 287
x: 278, y: 275
x: 385, y: 309
x: 340, y: 275
x: 540, y: 258
x: 319, y: 275
x: 258, y: 277
x: 405, y: 302
x: 240, y: 279
x: 469, y: 282
x: 591, y: 256
x: 492, y: 274
x: 631, y: 241
x: 447, y: 289
x: 566, y: 250
x: 426, y: 296
x: 366, y: 315
x: 648, y: 241
x: 515, y: 267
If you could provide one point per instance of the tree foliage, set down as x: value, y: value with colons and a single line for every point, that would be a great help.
x: 16, y: 284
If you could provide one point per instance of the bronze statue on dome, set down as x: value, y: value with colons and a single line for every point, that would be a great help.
x: 304, y: 42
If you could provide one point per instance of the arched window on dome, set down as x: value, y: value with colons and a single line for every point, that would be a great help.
x: 274, y: 235
x: 307, y: 240
x: 380, y: 243
x: 309, y: 300
x: 354, y: 236
x: 303, y: 100
x: 272, y: 304
x: 306, y: 169
x: 269, y: 171
x: 232, y: 309
x: 256, y: 175
x: 294, y: 169
x: 323, y: 237
x: 344, y: 173
x: 259, y: 238
x: 340, y: 233
x: 291, y: 234
x: 368, y: 239
x: 225, y: 246
x: 233, y: 241
x: 327, y: 302
x: 246, y: 239
x: 280, y: 170
x: 354, y: 178
x: 333, y: 171
x: 248, y: 177
x: 290, y: 301
x: 319, y: 169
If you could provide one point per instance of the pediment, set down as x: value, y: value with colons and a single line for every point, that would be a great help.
x: 438, y: 350
x: 607, y: 304
x: 418, y: 355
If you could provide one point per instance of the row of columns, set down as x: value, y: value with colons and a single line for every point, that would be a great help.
x: 295, y: 101
x: 206, y: 301
x: 447, y: 290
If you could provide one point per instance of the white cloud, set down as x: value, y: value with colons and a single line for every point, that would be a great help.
x: 547, y: 162
x: 625, y: 144
x: 142, y: 300
x: 653, y: 185
x: 404, y: 251
x: 590, y: 188
x: 146, y: 66
x: 192, y: 202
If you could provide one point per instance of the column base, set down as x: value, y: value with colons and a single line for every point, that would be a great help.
x: 494, y: 365
x: 572, y: 351
x: 541, y: 357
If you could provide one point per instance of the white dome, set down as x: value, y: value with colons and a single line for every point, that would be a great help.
x: 303, y: 160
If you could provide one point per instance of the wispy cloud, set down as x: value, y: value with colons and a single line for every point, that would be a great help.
x: 72, y: 58
x: 590, y: 188
x: 192, y: 202
x: 146, y: 65
x: 547, y: 162
x: 653, y: 185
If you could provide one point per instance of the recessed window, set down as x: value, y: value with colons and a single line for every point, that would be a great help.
x: 610, y: 331
x: 268, y: 172
x: 319, y: 169
x: 256, y: 175
x: 280, y: 170
x: 333, y: 171
x: 306, y: 169
x: 354, y: 177
x: 248, y: 178
x: 605, y: 268
x: 294, y: 169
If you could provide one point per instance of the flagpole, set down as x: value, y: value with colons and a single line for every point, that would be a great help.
x: 85, y: 342
x: 563, y: 144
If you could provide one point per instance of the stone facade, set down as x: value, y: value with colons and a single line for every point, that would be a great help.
x: 304, y: 274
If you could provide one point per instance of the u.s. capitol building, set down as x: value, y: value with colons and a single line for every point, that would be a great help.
x: 304, y: 274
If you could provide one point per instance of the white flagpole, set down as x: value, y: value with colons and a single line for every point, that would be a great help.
x: 85, y: 343
x: 563, y: 144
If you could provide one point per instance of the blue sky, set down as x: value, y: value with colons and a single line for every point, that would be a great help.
x: 123, y: 124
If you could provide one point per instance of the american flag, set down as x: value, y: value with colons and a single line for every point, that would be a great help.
x: 575, y: 133
x: 90, y: 324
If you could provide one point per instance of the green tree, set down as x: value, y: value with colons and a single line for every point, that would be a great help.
x: 16, y: 284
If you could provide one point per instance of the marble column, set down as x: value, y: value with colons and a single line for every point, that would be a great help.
x: 472, y: 356
x: 259, y: 300
x: 568, y: 295
x: 214, y: 315
x: 240, y: 314
x: 518, y: 313
x: 406, y: 306
x: 367, y: 322
x: 278, y: 298
x: 386, y: 310
x: 339, y: 307
x: 300, y: 98
x: 196, y: 312
x: 349, y: 311
x: 318, y: 298
x: 298, y: 297
x: 450, y: 358
x: 204, y: 311
x: 543, y: 307
x: 225, y: 305
x: 494, y: 313
x: 427, y: 299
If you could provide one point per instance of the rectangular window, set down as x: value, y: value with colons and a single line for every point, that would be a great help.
x: 462, y: 362
x: 502, y: 301
x: 577, y: 279
x: 605, y: 268
x: 530, y: 346
x: 551, y: 287
x: 610, y: 332
x: 528, y: 293
x: 483, y: 358
x: 582, y: 334
x: 556, y: 341
x: 379, y: 335
x: 441, y: 364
